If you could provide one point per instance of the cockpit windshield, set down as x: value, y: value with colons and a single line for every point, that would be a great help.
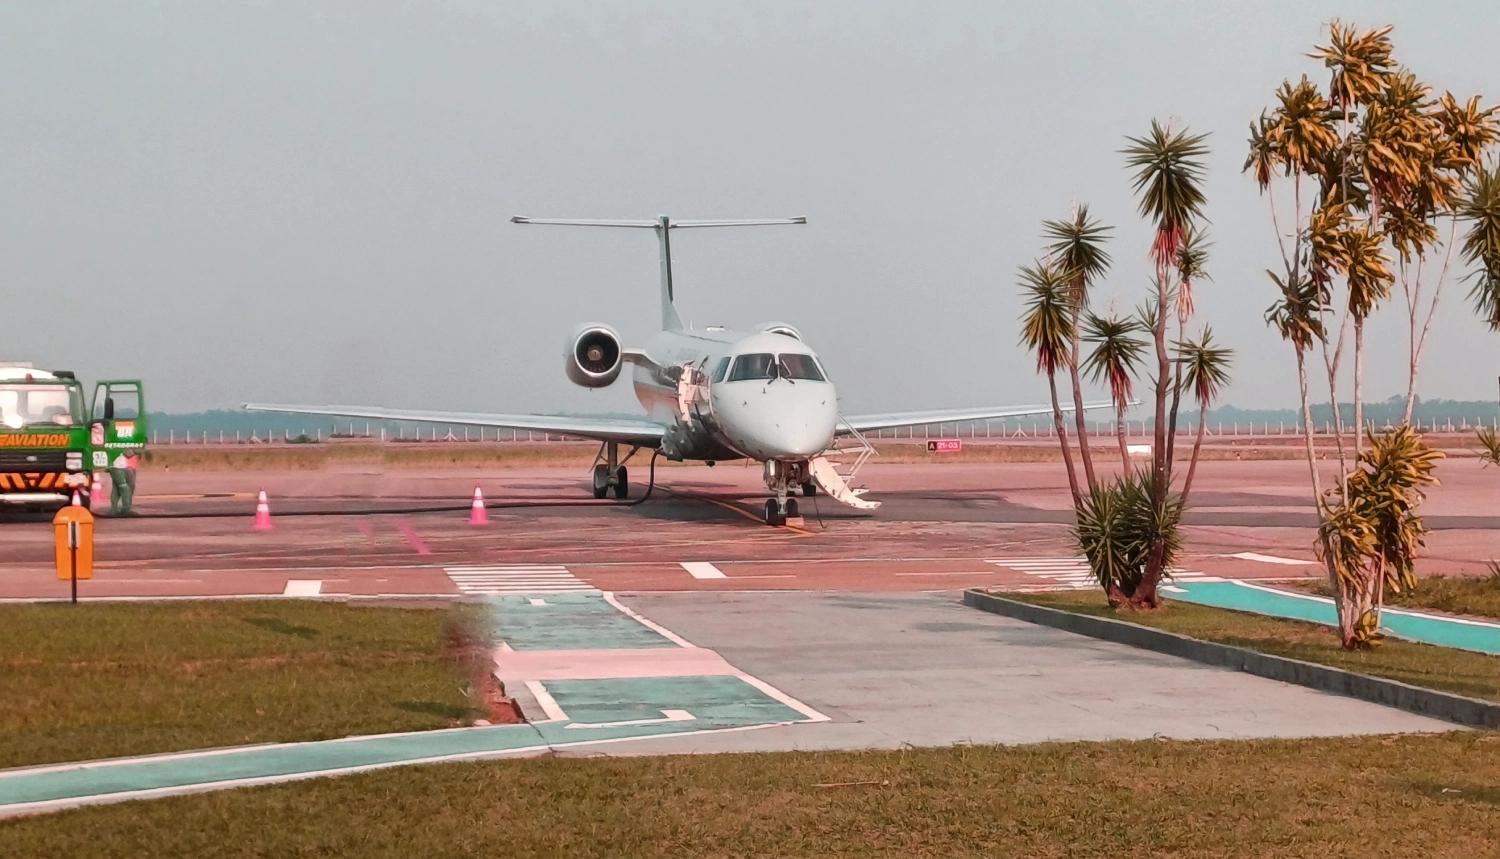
x: 759, y: 366
x: 798, y: 366
x: 763, y: 366
x: 39, y: 405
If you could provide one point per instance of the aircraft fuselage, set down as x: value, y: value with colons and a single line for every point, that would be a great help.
x: 762, y: 395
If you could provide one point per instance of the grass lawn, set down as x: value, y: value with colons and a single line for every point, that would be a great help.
x: 1474, y: 674
x: 1429, y: 796
x: 102, y: 680
x: 1472, y: 595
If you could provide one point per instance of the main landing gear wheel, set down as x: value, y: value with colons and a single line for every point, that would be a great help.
x: 774, y: 516
x: 601, y: 480
x: 809, y: 489
x: 622, y: 484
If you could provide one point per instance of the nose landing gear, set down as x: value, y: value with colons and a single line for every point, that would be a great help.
x: 781, y: 479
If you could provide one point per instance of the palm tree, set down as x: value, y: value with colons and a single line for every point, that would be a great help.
x: 1168, y: 169
x: 1206, y: 374
x: 1116, y: 354
x: 1169, y: 181
x: 1047, y: 330
x: 1480, y: 207
x: 1077, y: 248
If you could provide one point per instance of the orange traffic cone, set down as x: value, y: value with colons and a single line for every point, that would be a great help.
x: 262, y: 513
x: 478, y: 514
x: 96, y: 494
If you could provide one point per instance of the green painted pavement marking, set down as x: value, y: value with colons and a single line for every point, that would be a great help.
x: 1412, y: 626
x: 569, y: 622
x: 714, y: 702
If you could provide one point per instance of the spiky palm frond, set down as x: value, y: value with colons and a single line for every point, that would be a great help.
x: 1397, y: 137
x: 1169, y: 182
x: 1360, y: 61
x: 1205, y: 367
x: 1303, y: 131
x: 1076, y: 245
x: 1374, y: 530
x: 1480, y: 207
x: 1325, y: 228
x: 1489, y: 446
x: 1265, y: 156
x: 1192, y: 265
x: 1118, y: 523
x: 1467, y: 130
x: 1366, y: 270
x: 1047, y: 325
x: 1298, y: 315
x: 1116, y: 355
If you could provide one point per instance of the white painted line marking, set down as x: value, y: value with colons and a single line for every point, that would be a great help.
x: 702, y: 570
x: 303, y: 588
x: 671, y: 716
x: 1269, y: 559
x: 1173, y: 589
x: 654, y: 627
x: 535, y: 601
x: 545, y: 700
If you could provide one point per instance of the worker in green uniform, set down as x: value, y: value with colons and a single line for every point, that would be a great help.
x: 122, y: 482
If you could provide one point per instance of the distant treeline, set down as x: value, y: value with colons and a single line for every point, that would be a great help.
x: 1380, y: 413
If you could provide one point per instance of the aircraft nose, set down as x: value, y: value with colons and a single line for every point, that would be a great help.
x: 786, y: 421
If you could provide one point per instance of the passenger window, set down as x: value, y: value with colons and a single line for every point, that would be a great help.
x: 795, y: 366
x: 756, y: 367
x: 721, y: 370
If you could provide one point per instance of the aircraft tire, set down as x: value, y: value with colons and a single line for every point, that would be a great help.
x: 622, y: 484
x: 601, y: 481
x: 791, y: 508
x: 809, y: 489
x: 774, y: 516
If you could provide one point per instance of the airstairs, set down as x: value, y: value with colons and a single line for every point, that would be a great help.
x: 835, y: 469
x: 692, y: 389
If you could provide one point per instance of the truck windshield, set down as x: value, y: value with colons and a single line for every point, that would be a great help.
x: 33, y: 405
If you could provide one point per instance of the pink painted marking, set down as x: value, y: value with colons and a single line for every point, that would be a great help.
x: 606, y: 664
x: 413, y: 539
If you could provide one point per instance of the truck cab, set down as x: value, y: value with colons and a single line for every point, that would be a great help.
x: 50, y: 443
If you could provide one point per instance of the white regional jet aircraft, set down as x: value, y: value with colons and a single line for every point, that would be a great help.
x: 710, y: 394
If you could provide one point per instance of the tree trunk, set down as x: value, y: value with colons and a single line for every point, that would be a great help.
x: 1160, y: 464
x: 1334, y: 583
x: 1145, y: 593
x: 1062, y: 439
x: 1078, y: 418
x: 1120, y: 436
x: 1359, y: 388
x: 1187, y: 484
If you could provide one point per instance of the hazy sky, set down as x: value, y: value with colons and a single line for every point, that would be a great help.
x: 309, y: 201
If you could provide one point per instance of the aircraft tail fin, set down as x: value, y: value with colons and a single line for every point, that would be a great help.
x: 663, y: 226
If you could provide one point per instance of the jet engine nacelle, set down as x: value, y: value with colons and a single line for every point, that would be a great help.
x: 594, y: 356
x: 781, y: 328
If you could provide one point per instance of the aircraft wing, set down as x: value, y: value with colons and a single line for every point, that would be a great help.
x: 866, y: 423
x: 635, y: 431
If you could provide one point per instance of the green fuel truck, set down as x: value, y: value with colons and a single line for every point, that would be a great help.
x: 52, y: 439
